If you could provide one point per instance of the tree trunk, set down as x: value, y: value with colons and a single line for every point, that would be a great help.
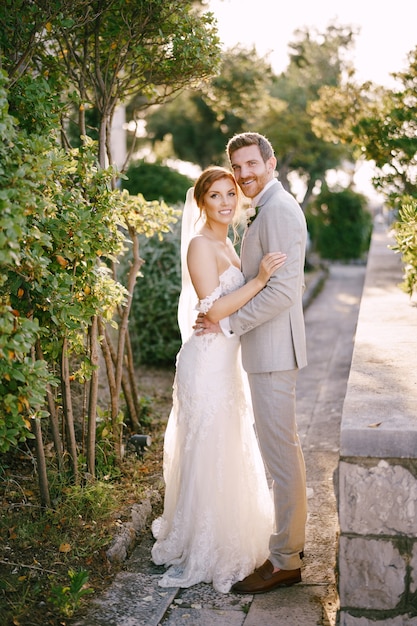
x: 129, y: 387
x: 127, y: 391
x: 93, y: 398
x: 283, y: 175
x: 102, y: 156
x: 123, y: 326
x: 68, y: 412
x: 308, y: 193
x: 130, y: 366
x: 53, y: 418
x: 114, y: 398
x: 41, y: 464
x: 131, y: 282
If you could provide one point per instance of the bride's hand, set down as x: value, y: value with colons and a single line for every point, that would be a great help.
x: 271, y: 262
x: 203, y: 325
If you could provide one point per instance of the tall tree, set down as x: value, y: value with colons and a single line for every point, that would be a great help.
x: 94, y: 55
x: 153, y: 48
x: 381, y: 125
x: 316, y: 59
x: 199, y: 122
x: 24, y: 30
x: 246, y: 95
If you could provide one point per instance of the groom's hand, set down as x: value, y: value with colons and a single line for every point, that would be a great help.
x: 203, y: 326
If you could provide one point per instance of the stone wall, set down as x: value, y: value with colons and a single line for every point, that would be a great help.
x: 377, y: 473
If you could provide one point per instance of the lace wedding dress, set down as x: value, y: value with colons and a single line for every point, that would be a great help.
x: 218, y: 512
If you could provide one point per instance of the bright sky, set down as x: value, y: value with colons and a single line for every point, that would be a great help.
x: 387, y: 33
x: 388, y: 30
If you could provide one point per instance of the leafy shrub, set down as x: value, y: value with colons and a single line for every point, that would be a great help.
x: 340, y: 225
x: 67, y: 598
x: 23, y: 379
x: 406, y: 237
x: 155, y: 333
x: 155, y: 181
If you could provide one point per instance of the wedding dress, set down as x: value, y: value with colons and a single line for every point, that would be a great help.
x: 218, y: 512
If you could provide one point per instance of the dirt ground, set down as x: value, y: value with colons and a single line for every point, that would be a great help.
x: 30, y: 562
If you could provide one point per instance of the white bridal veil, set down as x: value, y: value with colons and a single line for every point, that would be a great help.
x: 190, y: 225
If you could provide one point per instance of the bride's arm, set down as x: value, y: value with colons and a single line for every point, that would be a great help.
x: 202, y: 265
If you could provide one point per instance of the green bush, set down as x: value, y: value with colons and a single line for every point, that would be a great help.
x: 154, y: 328
x: 25, y: 162
x: 340, y: 225
x: 406, y: 237
x: 155, y: 333
x: 155, y: 181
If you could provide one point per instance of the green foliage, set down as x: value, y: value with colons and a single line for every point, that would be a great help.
x: 146, y: 413
x: 390, y: 137
x: 45, y: 544
x: 58, y: 221
x: 23, y: 379
x: 67, y: 597
x: 22, y: 383
x: 245, y: 95
x: 198, y: 123
x: 106, y: 466
x: 90, y: 503
x: 381, y: 126
x: 85, y: 229
x: 406, y: 238
x: 155, y: 333
x: 340, y: 225
x: 316, y: 60
x: 155, y: 181
x: 61, y: 226
x: 126, y: 48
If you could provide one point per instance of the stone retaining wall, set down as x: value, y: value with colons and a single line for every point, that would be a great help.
x: 377, y: 473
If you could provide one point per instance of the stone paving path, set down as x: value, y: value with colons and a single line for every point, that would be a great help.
x: 135, y: 599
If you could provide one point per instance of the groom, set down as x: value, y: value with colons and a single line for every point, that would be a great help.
x: 272, y: 333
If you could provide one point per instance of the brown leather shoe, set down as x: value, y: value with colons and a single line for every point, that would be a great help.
x: 263, y: 579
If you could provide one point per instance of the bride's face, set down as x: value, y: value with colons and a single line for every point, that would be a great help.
x: 220, y: 201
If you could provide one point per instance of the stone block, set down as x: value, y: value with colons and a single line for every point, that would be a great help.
x: 378, y: 500
x: 371, y: 573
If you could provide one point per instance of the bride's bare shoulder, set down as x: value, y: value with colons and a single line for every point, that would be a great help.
x: 201, y: 242
x: 202, y: 259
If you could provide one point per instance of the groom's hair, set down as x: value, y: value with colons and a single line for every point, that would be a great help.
x: 250, y: 139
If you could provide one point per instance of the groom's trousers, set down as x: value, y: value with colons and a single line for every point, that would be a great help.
x: 273, y: 398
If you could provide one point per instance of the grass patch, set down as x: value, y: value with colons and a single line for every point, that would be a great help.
x: 49, y: 559
x: 52, y: 561
x: 62, y: 548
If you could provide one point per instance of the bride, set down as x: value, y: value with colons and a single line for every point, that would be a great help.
x: 218, y: 512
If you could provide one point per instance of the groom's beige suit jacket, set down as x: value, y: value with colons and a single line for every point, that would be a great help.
x: 271, y: 325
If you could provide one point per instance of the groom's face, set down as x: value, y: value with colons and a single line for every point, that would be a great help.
x: 250, y: 170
